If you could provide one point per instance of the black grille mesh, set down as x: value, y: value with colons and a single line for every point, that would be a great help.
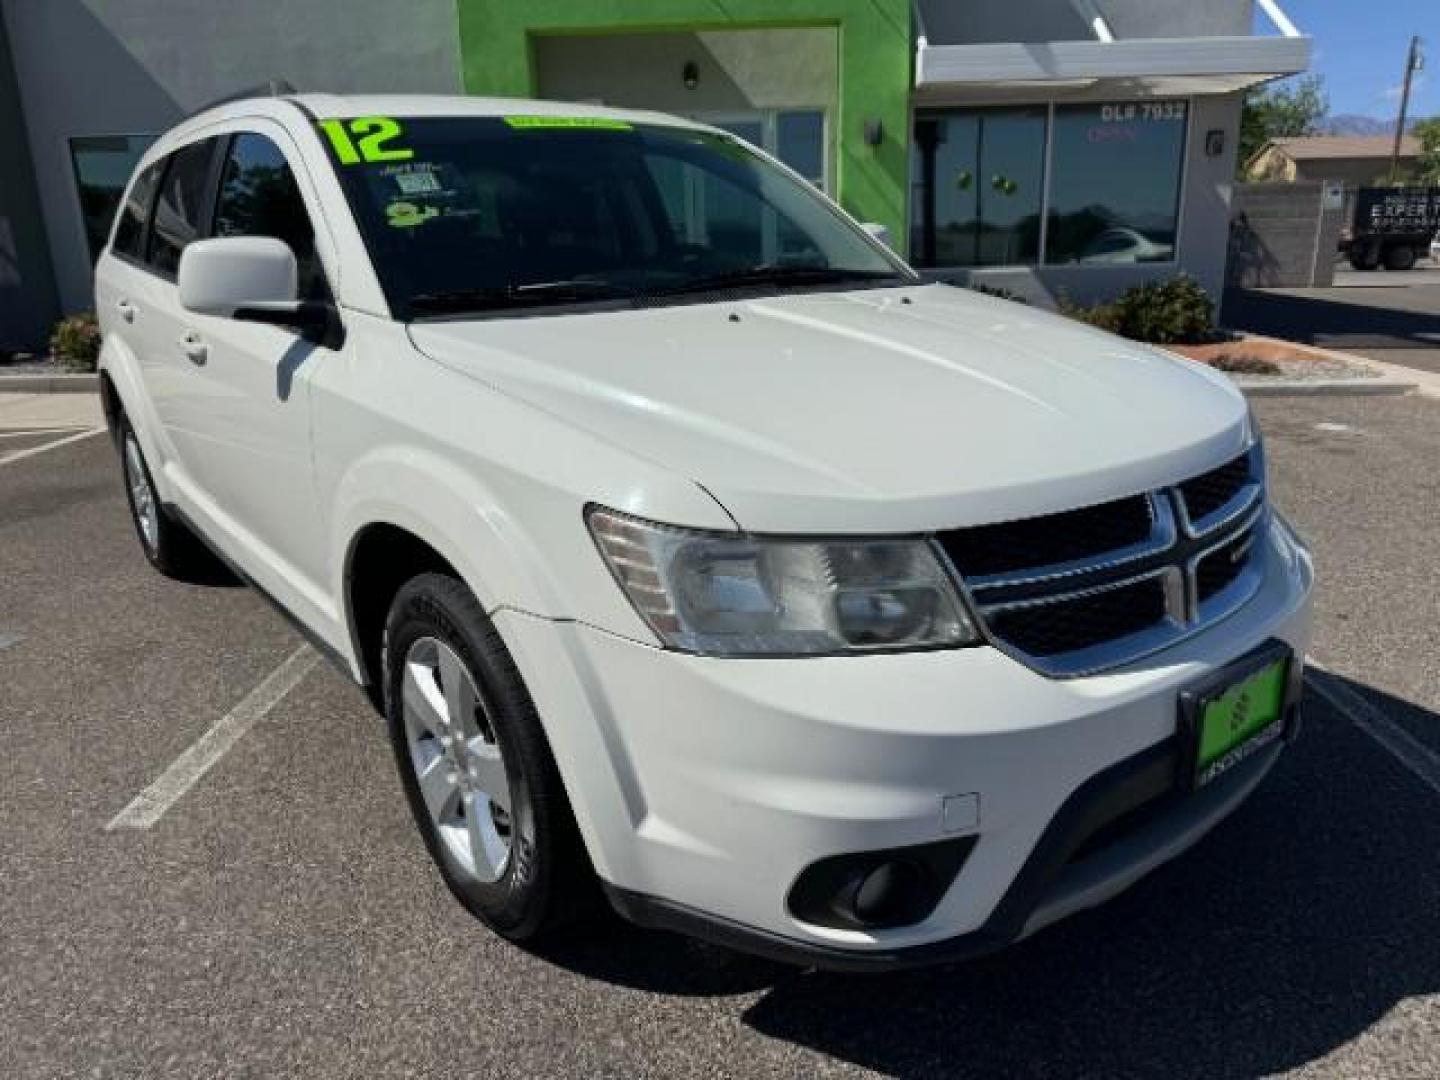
x: 1210, y: 491
x: 1048, y: 540
x: 1223, y: 565
x: 1054, y: 628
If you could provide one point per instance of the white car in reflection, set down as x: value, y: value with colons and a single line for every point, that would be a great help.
x: 1122, y: 245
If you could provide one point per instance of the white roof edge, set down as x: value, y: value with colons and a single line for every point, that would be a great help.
x: 344, y: 106
x: 1058, y: 61
x: 328, y: 106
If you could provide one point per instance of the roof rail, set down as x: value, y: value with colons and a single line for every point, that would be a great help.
x: 269, y: 88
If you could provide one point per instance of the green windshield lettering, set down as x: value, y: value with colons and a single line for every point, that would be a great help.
x: 593, y: 123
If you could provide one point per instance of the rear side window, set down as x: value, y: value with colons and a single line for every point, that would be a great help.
x: 259, y: 197
x: 180, y: 212
x: 135, y: 214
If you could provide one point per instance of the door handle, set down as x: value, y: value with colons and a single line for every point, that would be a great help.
x: 194, y: 348
x: 126, y: 309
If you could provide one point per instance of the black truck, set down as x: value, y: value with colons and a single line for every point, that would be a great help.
x: 1391, y: 227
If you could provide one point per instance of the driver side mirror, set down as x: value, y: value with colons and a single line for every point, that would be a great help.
x: 252, y: 279
x: 222, y: 276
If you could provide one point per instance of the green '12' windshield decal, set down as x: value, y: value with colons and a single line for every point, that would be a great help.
x: 366, y: 139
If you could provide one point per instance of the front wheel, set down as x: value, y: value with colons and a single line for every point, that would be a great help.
x: 476, y: 766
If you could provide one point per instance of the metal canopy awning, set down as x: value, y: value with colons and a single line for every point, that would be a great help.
x: 1105, y: 66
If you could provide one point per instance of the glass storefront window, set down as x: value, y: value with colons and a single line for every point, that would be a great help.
x: 103, y: 165
x: 800, y: 143
x: 795, y: 136
x: 1115, y: 182
x: 980, y: 190
x: 979, y: 187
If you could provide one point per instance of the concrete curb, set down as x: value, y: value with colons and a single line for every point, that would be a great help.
x: 1259, y: 386
x: 49, y: 384
x: 1425, y: 382
x: 1392, y: 379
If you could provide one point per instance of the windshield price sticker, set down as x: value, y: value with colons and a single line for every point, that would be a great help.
x: 590, y: 123
x: 417, y: 183
x: 366, y: 140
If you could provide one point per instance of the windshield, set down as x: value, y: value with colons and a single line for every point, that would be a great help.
x: 509, y: 214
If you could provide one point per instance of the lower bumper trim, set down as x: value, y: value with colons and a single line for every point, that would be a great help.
x: 1060, y: 876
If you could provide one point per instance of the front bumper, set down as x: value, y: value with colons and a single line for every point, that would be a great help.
x: 705, y: 787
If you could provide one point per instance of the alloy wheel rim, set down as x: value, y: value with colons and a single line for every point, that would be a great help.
x: 142, y: 496
x: 458, y: 764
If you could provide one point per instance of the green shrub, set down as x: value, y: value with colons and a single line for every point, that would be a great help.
x: 75, y: 342
x: 1171, y: 312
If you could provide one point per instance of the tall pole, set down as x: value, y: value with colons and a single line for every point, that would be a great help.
x: 1412, y: 65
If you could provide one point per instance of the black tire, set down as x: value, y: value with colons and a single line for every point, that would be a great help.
x: 1400, y: 258
x: 547, y: 879
x: 172, y: 549
x: 1364, y: 256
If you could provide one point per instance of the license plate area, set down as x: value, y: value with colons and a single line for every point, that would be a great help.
x: 1234, y: 713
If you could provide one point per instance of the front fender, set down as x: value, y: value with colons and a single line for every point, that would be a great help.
x: 119, y: 363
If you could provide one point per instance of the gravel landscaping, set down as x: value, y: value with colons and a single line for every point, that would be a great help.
x: 1261, y: 358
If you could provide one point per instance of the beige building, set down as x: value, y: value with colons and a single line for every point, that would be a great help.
x: 1356, y: 161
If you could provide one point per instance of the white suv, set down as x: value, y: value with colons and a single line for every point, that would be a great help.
x: 690, y: 543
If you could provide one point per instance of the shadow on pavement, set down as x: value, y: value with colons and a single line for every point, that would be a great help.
x: 1295, y: 926
x: 1324, y: 322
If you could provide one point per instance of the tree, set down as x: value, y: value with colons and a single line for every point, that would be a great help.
x: 1285, y: 110
x: 1428, y: 132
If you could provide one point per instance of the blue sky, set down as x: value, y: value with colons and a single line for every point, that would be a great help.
x: 1360, y: 49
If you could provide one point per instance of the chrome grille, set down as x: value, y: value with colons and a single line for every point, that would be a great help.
x: 1048, y: 628
x: 1051, y: 539
x: 1085, y: 590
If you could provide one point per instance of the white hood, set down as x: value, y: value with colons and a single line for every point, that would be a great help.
x: 867, y: 411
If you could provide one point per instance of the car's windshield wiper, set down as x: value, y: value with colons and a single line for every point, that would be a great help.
x: 778, y: 274
x: 516, y: 295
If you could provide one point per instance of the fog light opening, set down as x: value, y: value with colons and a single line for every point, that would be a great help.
x: 878, y: 890
x: 887, y: 894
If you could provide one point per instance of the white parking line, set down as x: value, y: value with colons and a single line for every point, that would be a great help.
x: 30, y: 433
x: 150, y: 805
x: 1404, y: 747
x: 21, y: 455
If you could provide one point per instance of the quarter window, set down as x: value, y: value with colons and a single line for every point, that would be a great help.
x: 259, y: 197
x: 180, y: 210
x: 102, y: 165
x: 130, y: 233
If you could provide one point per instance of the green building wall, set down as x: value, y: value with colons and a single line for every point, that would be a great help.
x: 497, y: 57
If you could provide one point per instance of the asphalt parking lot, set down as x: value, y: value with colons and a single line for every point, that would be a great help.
x: 1381, y: 315
x: 281, y: 917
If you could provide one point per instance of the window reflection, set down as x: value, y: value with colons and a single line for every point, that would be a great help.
x: 1115, y: 182
x: 979, y: 185
x: 979, y: 191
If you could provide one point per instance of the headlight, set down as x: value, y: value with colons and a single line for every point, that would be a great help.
x: 735, y: 595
